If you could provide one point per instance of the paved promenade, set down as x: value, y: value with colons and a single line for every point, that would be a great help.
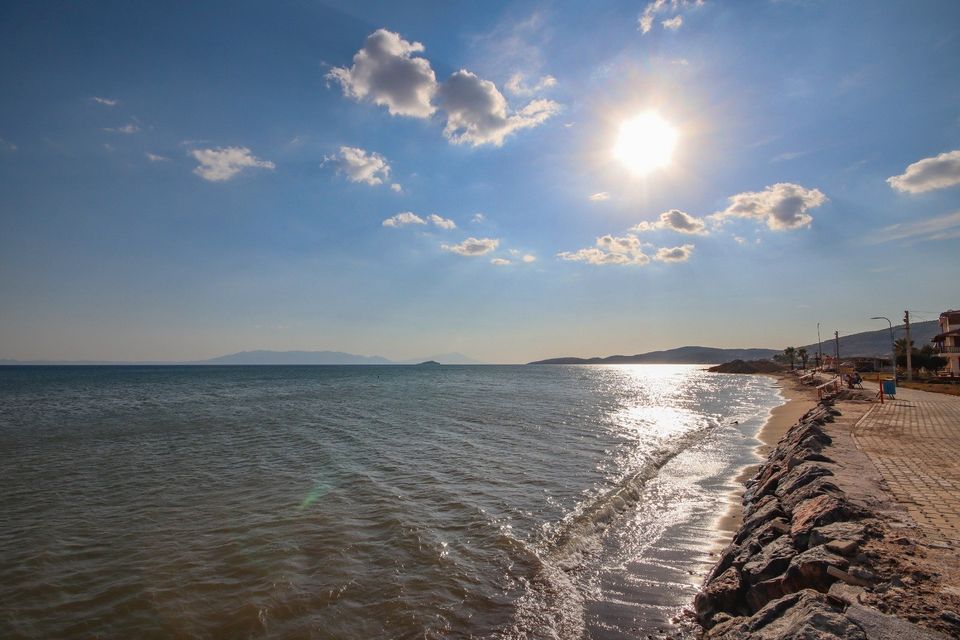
x: 914, y: 441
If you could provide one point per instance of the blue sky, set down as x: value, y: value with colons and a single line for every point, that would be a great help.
x: 182, y: 180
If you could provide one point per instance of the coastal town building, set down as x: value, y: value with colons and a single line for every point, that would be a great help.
x: 948, y: 340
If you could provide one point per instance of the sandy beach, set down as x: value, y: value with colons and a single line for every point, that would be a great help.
x: 797, y: 401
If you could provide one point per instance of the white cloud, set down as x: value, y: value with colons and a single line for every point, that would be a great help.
x: 600, y: 197
x: 7, y: 145
x: 127, y: 129
x: 517, y: 87
x: 673, y: 23
x: 528, y: 258
x: 443, y: 223
x: 152, y: 157
x: 930, y: 173
x: 477, y: 111
x: 610, y: 250
x: 396, y: 187
x: 359, y: 165
x: 405, y: 218
x: 790, y: 155
x: 385, y: 72
x: 109, y: 102
x: 782, y: 206
x: 674, y: 220
x: 740, y: 240
x: 500, y: 261
x: 478, y: 218
x: 658, y: 7
x: 221, y: 164
x: 944, y: 227
x: 674, y: 254
x: 473, y: 246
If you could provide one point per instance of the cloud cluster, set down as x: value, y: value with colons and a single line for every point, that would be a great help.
x: 674, y: 220
x: 443, y: 223
x: 659, y: 7
x: 610, y: 249
x: 782, y: 206
x: 386, y: 72
x: 359, y: 165
x: 408, y: 217
x: 518, y: 87
x: 624, y: 250
x: 477, y: 111
x: 127, y: 129
x: 221, y: 164
x: 930, y: 173
x: 473, y: 246
x: 674, y: 254
x: 107, y: 102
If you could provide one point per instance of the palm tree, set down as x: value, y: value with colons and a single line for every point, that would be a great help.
x: 791, y: 354
x: 802, y: 354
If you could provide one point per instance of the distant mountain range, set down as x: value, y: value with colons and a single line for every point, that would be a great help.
x: 271, y: 357
x: 680, y: 355
x: 867, y: 343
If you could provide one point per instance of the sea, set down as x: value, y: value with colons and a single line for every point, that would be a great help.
x: 365, y: 501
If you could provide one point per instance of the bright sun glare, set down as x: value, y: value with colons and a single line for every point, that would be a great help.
x: 645, y: 143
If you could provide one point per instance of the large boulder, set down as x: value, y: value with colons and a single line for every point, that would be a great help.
x: 722, y: 594
x: 771, y: 561
x: 806, y: 615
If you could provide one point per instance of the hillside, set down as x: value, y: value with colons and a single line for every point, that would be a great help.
x: 680, y: 355
x: 877, y: 343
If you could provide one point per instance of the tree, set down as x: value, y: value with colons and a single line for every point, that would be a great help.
x: 802, y: 354
x: 925, y: 358
x: 791, y: 354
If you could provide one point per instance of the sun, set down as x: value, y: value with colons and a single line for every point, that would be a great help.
x: 645, y: 143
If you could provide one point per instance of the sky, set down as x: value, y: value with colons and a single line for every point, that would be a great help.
x: 182, y: 180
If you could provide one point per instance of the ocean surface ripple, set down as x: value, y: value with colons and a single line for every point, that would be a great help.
x: 362, y: 502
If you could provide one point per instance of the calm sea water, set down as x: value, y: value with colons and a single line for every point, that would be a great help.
x: 363, y: 502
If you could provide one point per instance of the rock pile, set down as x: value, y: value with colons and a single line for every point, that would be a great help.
x: 795, y: 566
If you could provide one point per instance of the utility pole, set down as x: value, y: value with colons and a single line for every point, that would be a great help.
x: 836, y: 339
x: 819, y: 348
x: 906, y: 324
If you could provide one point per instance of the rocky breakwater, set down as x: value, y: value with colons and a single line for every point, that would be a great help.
x: 800, y: 560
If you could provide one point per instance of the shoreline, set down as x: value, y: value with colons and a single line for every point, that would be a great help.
x: 824, y: 549
x: 797, y: 400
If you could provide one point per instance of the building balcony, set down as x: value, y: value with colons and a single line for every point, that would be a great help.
x: 946, y: 349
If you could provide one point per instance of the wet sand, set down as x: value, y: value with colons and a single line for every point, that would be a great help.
x: 797, y: 401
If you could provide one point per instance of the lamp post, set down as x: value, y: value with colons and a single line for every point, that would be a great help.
x: 893, y: 345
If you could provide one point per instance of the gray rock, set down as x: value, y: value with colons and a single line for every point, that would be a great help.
x: 879, y: 626
x: 769, y: 511
x: 799, y: 476
x: 772, y: 561
x: 806, y: 615
x: 722, y: 594
x: 853, y: 531
x: 808, y: 570
x: 845, y: 593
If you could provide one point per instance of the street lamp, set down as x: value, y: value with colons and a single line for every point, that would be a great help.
x: 893, y: 345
